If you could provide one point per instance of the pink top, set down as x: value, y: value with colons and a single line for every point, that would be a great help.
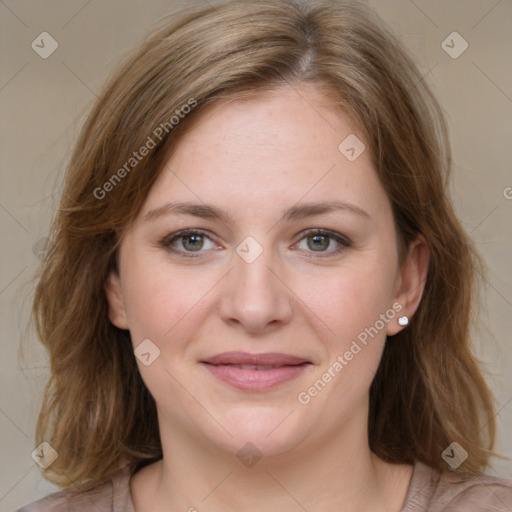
x: 429, y: 491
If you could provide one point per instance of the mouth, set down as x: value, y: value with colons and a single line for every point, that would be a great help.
x: 255, y: 372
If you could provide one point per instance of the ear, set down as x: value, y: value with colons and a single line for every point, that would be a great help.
x: 411, y: 282
x: 116, y: 309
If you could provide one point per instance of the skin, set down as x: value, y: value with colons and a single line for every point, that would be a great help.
x: 255, y: 158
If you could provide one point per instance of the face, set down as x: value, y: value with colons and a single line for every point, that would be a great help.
x: 266, y: 317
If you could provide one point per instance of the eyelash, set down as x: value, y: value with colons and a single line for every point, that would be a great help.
x: 344, y: 242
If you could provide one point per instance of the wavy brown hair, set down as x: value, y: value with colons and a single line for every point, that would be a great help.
x: 97, y: 413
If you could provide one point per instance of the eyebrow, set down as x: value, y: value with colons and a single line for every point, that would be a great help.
x: 296, y: 212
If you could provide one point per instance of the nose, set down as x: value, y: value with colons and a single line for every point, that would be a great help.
x: 255, y: 296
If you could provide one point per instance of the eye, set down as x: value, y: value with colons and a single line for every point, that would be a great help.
x: 187, y: 242
x: 190, y: 243
x: 319, y: 240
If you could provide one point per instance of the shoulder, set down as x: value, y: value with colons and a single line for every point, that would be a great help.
x: 73, y: 500
x: 457, y: 492
x: 109, y: 495
x: 474, y: 492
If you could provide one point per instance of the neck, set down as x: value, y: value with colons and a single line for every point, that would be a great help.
x: 341, y: 475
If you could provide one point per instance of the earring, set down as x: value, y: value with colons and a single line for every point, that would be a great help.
x: 403, y: 320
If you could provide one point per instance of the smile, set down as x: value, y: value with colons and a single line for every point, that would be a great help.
x: 255, y: 372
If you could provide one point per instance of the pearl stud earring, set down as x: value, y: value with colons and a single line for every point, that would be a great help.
x: 403, y: 320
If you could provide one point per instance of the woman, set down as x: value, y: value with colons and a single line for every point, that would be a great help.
x: 258, y: 292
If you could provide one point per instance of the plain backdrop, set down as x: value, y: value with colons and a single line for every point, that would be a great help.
x: 44, y: 101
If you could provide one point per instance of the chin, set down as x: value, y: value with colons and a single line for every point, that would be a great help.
x: 271, y: 430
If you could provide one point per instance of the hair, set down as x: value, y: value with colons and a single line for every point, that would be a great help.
x: 428, y: 390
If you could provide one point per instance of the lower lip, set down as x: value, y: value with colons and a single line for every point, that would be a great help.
x: 256, y: 380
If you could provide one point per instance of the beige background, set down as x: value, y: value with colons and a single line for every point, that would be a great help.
x: 43, y: 102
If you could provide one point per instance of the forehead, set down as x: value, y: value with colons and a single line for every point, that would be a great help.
x: 277, y: 147
x: 285, y: 119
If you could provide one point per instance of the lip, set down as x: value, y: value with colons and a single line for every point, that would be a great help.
x: 264, y: 359
x: 276, y: 369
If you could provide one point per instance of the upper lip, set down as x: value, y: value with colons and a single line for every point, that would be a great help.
x: 245, y: 358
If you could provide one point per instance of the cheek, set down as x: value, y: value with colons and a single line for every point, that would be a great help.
x: 349, y: 301
x: 353, y: 309
x: 164, y: 306
x: 350, y: 308
x: 158, y: 298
